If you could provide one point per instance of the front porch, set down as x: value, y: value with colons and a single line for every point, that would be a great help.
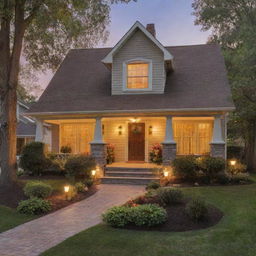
x: 134, y: 137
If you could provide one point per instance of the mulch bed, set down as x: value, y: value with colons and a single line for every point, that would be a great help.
x: 178, y: 220
x: 11, y: 196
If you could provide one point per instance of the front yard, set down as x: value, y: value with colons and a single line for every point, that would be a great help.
x: 235, y: 234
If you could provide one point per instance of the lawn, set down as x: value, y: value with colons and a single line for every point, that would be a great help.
x: 9, y: 218
x: 235, y: 234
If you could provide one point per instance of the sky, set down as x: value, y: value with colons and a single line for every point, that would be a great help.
x: 173, y: 21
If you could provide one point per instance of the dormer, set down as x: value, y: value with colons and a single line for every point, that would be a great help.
x: 139, y: 63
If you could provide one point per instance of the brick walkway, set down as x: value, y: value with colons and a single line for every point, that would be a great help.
x: 35, y: 237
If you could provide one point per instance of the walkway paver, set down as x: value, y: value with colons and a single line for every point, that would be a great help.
x: 35, y: 237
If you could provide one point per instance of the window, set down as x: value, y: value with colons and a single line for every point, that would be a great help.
x: 137, y: 75
x: 193, y: 137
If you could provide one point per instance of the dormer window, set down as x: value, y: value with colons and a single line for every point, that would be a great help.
x: 137, y: 75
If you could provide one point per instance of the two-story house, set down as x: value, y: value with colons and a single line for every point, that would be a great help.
x: 136, y: 94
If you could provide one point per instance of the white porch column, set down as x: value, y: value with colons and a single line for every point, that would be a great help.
x: 169, y: 145
x: 218, y: 144
x: 98, y: 147
x: 39, y: 131
x: 98, y: 131
x: 217, y: 131
x: 169, y: 131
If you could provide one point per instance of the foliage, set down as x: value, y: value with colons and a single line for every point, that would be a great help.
x: 110, y: 153
x: 117, y: 216
x: 142, y: 215
x: 233, y: 26
x: 156, y: 154
x: 235, y: 152
x: 236, y: 169
x: 89, y: 182
x: 37, y: 189
x: 148, y: 215
x: 185, y: 167
x: 33, y: 159
x: 240, y: 179
x: 222, y: 178
x: 153, y: 185
x: 20, y: 172
x: 80, y: 187
x: 197, y: 210
x: 169, y: 196
x: 211, y: 166
x: 80, y: 165
x: 34, y: 206
x: 66, y: 149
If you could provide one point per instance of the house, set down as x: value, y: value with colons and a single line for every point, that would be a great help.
x: 136, y: 94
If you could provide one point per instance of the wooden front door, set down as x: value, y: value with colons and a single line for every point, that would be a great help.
x: 136, y: 142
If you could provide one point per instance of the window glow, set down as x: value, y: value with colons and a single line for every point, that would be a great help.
x: 193, y: 137
x: 137, y: 75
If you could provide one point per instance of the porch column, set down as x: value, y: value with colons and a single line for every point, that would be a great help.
x: 217, y: 144
x: 39, y: 131
x: 98, y: 147
x: 169, y: 145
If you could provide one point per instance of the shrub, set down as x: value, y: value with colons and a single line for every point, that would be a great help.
x: 80, y: 166
x: 34, y: 206
x: 110, y: 153
x: 89, y: 182
x: 211, y: 166
x: 156, y: 154
x: 236, y: 152
x: 168, y: 196
x: 185, y: 167
x: 197, y: 210
x: 236, y: 169
x: 33, y: 158
x: 240, y: 179
x: 148, y: 215
x: 66, y: 149
x: 37, y: 189
x: 117, y: 216
x: 80, y: 187
x: 222, y: 179
x: 153, y: 185
x: 20, y: 172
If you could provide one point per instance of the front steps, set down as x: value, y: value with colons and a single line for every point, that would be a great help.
x: 129, y: 175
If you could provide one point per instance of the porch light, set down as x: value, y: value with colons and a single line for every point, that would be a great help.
x: 135, y: 120
x: 150, y: 130
x: 120, y: 130
x: 166, y: 173
x: 233, y: 162
x: 93, y: 172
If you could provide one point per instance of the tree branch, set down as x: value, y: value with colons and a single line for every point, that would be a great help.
x: 33, y: 12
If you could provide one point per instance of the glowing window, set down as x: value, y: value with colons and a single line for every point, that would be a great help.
x: 137, y: 75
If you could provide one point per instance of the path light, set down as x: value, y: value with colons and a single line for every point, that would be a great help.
x: 233, y: 162
x: 93, y: 172
x: 66, y: 190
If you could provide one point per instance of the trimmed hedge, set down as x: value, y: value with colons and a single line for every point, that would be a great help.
x: 169, y: 196
x: 34, y: 206
x: 37, y: 189
x: 197, y: 210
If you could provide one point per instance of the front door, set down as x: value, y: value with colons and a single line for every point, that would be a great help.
x: 136, y: 142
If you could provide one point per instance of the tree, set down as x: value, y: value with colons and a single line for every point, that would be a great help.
x: 42, y: 31
x: 233, y: 26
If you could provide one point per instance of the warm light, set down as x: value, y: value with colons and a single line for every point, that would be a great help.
x: 233, y: 162
x: 166, y: 173
x: 135, y: 120
x: 93, y: 172
x: 66, y: 189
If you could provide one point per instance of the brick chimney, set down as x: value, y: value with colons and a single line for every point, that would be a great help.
x: 151, y: 29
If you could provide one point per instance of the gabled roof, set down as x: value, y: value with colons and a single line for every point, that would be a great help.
x: 137, y: 25
x: 82, y: 84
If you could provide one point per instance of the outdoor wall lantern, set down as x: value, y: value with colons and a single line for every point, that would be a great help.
x: 120, y: 130
x: 150, y: 130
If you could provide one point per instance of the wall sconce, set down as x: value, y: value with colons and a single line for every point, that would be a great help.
x: 135, y: 120
x: 150, y: 130
x: 233, y: 162
x: 120, y: 130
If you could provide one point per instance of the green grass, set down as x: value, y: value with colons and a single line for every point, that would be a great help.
x: 235, y: 234
x: 9, y: 218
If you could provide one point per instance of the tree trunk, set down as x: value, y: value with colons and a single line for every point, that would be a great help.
x: 250, y: 147
x: 9, y: 72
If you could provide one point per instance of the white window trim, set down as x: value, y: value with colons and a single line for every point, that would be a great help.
x: 137, y: 60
